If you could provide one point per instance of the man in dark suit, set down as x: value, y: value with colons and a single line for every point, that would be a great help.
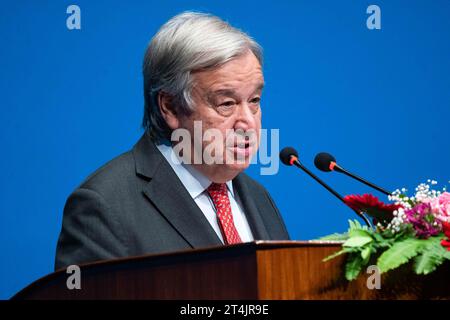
x: 167, y: 193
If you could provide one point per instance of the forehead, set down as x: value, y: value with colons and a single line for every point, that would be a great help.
x: 243, y: 72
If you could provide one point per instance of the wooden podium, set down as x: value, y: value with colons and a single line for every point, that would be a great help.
x: 256, y: 270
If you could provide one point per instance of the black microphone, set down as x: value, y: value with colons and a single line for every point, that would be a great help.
x: 326, y: 162
x: 289, y: 157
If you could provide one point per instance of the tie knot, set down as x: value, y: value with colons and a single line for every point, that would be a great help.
x: 217, y: 187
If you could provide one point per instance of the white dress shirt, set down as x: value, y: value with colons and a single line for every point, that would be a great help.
x: 196, y: 184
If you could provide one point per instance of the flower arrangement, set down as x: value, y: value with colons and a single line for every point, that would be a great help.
x: 415, y: 228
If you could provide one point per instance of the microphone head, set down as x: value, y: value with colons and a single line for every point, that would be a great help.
x: 323, y: 160
x: 286, y: 155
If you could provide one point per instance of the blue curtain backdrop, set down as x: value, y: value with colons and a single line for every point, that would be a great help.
x: 379, y: 100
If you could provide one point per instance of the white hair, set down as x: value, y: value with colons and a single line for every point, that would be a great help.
x: 186, y: 43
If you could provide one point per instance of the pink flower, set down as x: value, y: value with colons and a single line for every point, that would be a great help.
x: 440, y: 207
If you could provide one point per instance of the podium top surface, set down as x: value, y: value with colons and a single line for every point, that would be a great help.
x: 176, y: 256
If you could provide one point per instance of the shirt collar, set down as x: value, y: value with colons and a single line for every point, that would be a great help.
x: 194, y: 181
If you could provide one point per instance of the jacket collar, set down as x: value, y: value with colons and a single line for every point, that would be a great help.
x: 146, y: 156
x: 165, y: 190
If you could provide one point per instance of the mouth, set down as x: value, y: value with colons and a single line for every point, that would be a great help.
x: 242, y: 149
x: 242, y: 145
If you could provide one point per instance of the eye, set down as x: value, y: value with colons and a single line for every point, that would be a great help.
x: 256, y: 100
x: 255, y: 104
x: 227, y: 104
x: 226, y: 108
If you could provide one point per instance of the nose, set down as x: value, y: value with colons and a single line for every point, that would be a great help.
x: 245, y: 118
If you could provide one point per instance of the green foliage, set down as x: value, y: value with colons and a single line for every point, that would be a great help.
x: 335, y: 237
x: 353, y: 266
x: 365, y: 253
x: 359, y: 233
x: 433, y: 254
x: 400, y: 253
x: 340, y: 252
x: 357, y: 241
x: 363, y: 245
x: 355, y: 225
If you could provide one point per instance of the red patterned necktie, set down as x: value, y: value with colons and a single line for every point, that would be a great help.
x: 219, y: 195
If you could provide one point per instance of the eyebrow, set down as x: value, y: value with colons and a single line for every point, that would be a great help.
x: 230, y: 92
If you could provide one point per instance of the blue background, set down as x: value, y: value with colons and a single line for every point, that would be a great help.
x: 71, y: 100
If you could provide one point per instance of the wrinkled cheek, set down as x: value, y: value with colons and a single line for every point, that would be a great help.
x: 258, y: 139
x: 258, y: 128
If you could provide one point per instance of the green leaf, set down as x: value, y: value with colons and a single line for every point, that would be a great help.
x: 400, y: 253
x: 336, y: 254
x: 427, y: 262
x: 357, y: 241
x: 381, y: 242
x: 358, y: 233
x: 365, y: 254
x: 433, y: 254
x: 354, y: 224
x: 353, y: 266
x: 334, y: 237
x: 447, y: 255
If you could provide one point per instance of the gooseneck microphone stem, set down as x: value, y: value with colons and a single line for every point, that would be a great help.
x: 337, y: 195
x: 354, y: 176
x: 312, y: 175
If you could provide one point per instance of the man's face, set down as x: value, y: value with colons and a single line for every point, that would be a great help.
x: 228, y: 99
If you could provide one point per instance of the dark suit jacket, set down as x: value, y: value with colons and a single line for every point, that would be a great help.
x: 136, y: 205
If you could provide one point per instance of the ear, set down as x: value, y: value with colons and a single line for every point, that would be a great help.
x: 165, y: 103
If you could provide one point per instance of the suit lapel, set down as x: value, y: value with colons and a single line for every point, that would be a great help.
x: 166, y: 192
x: 250, y: 209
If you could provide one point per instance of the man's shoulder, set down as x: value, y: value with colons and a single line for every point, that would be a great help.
x: 118, y: 170
x: 122, y: 171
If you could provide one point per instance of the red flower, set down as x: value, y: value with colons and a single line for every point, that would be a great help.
x: 370, y: 204
x: 446, y: 229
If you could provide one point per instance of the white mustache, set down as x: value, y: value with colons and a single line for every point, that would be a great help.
x: 241, y: 141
